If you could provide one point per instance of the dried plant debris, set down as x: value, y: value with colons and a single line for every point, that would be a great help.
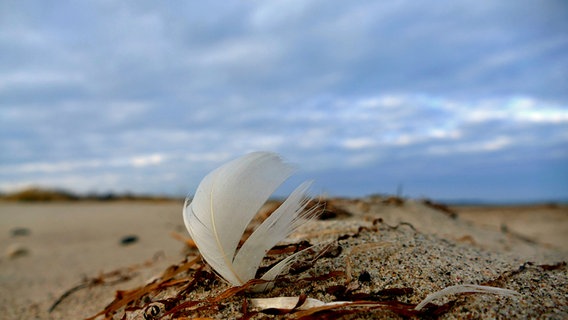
x: 106, y: 279
x: 393, y: 201
x: 16, y: 250
x: 441, y: 207
x: 327, y: 209
x: 194, y: 295
x: 192, y: 290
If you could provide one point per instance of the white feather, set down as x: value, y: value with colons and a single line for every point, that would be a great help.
x: 464, y: 288
x: 226, y: 201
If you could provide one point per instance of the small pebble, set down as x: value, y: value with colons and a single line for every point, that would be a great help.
x: 126, y: 240
x: 19, y: 232
x: 364, y: 276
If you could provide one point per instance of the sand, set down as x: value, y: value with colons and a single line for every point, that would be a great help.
x: 50, y: 248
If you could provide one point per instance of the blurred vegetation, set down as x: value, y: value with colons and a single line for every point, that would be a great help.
x: 36, y: 194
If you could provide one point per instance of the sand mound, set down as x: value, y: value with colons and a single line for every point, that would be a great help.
x: 385, y: 254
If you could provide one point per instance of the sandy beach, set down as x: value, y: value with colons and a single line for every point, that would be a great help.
x: 99, y: 248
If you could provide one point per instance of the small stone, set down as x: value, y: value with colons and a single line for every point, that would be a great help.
x: 365, y: 277
x: 130, y: 239
x: 20, y: 232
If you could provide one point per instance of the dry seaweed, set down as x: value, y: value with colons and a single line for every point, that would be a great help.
x: 330, y: 250
x: 107, y: 278
x: 393, y: 201
x: 550, y: 267
x: 122, y: 298
x: 441, y: 207
x: 403, y: 223
x: 189, y: 243
x: 501, y: 279
x: 180, y: 305
x: 329, y: 209
x: 289, y: 248
x: 345, y: 293
x: 332, y: 311
x: 211, y: 302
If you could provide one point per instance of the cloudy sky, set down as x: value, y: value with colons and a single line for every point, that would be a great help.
x: 446, y: 100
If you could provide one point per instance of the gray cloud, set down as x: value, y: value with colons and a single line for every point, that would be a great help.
x: 135, y: 96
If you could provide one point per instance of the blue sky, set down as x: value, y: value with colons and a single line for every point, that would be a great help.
x: 446, y: 100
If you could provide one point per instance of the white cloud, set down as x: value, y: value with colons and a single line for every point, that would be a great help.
x: 520, y: 109
x: 383, y: 101
x: 359, y: 143
x: 147, y: 160
x: 51, y: 167
x: 55, y: 167
x: 438, y: 133
x: 530, y: 110
x: 495, y: 144
x: 544, y: 116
